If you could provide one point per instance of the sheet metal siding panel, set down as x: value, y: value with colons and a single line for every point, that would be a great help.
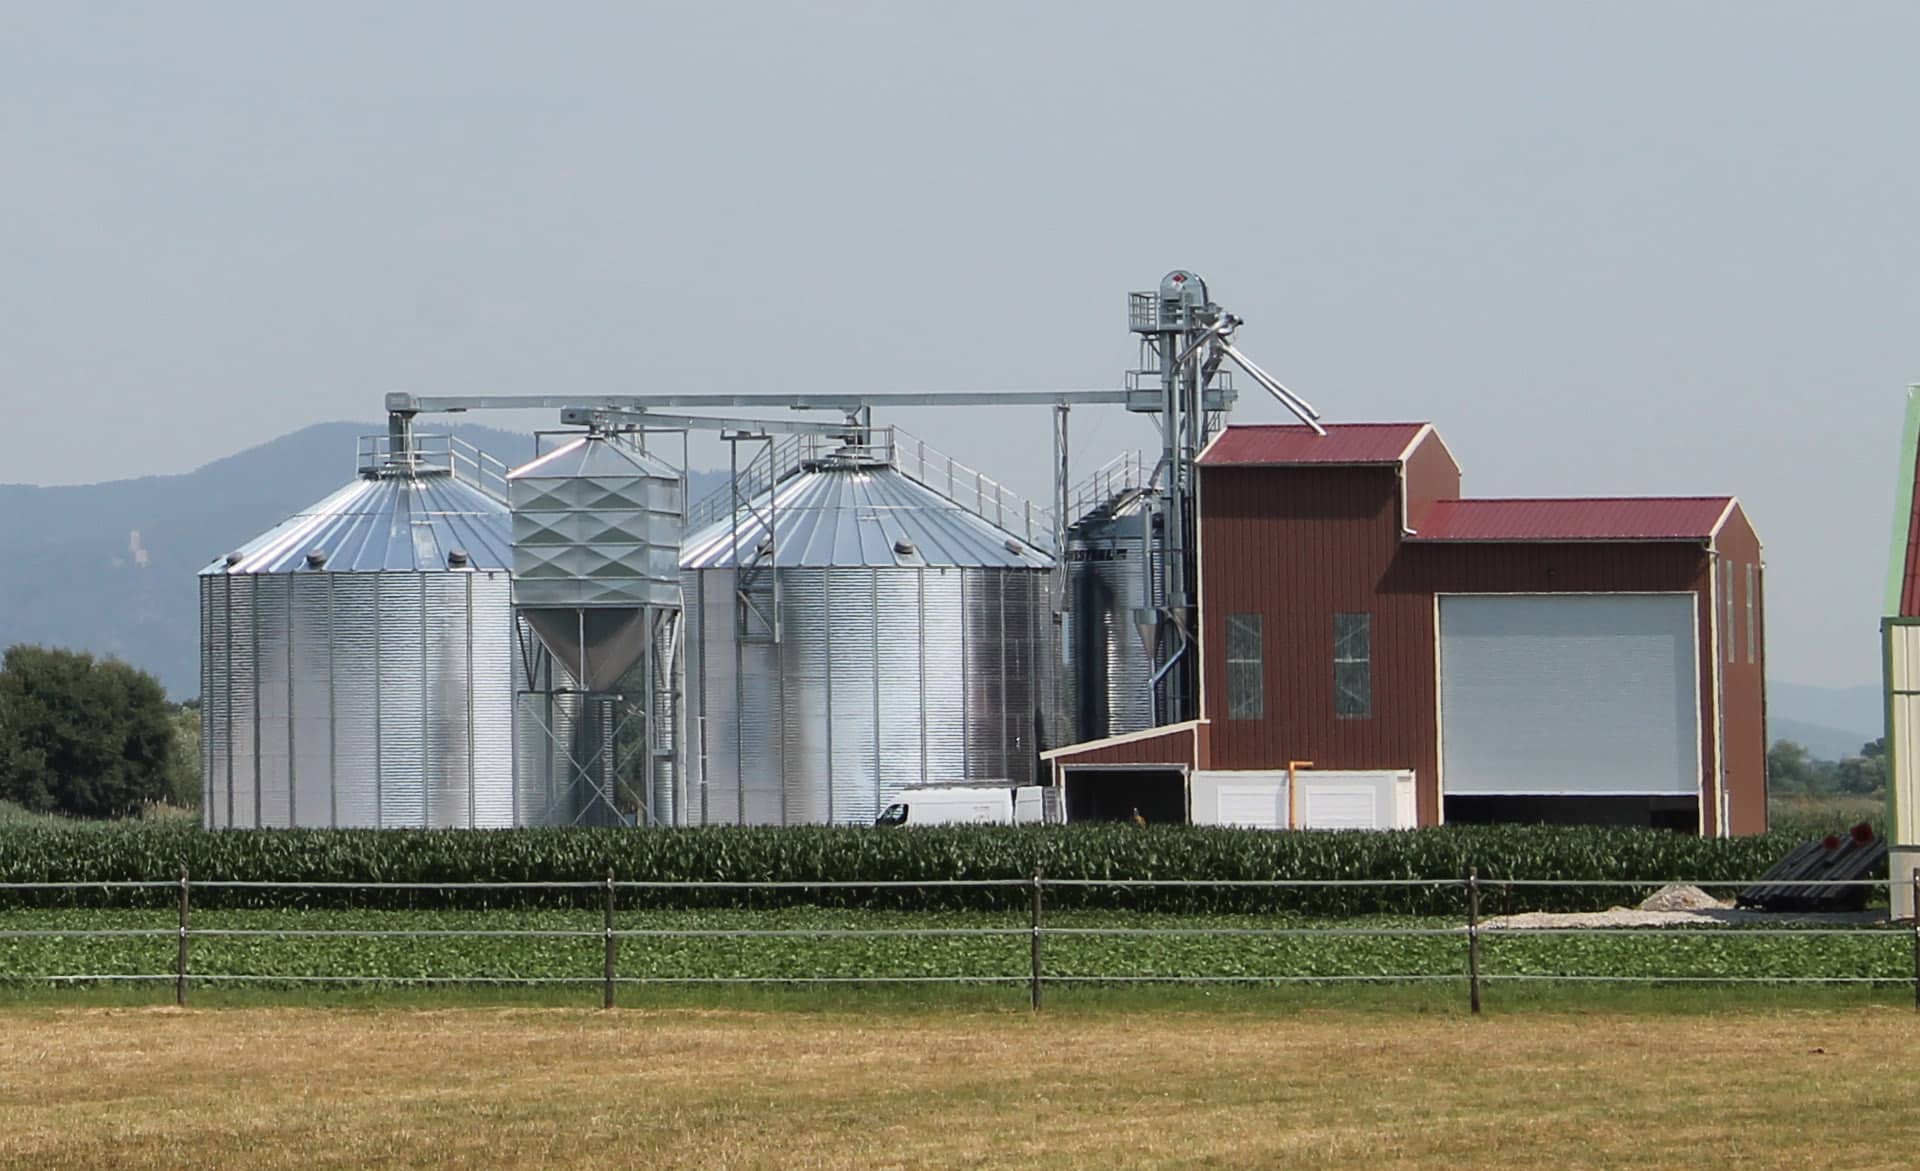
x: 495, y: 658
x: 764, y: 797
x: 943, y: 636
x: 244, y: 770
x: 215, y: 671
x: 980, y: 605
x: 1743, y: 682
x: 1902, y: 668
x: 273, y: 687
x: 1026, y: 615
x: 687, y: 810
x: 885, y: 677
x: 717, y: 648
x: 541, y: 734
x: 403, y: 701
x: 900, y: 684
x: 809, y: 748
x: 1431, y: 476
x: 356, y: 699
x: 855, y: 711
x: 447, y: 674
x: 312, y: 699
x: 1107, y: 580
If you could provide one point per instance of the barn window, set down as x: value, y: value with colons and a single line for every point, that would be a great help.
x: 1245, y: 688
x: 1353, y: 666
x: 1753, y: 610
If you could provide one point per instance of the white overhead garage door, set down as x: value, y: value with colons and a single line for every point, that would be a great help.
x: 1579, y: 694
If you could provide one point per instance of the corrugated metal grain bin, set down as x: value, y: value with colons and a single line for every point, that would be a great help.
x: 854, y: 632
x: 1110, y: 600
x: 358, y: 660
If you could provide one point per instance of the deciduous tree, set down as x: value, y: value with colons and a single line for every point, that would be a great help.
x: 80, y: 736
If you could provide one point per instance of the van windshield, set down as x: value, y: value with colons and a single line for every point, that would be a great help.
x: 896, y: 814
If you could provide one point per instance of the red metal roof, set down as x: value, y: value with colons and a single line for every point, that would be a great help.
x: 1632, y: 518
x: 1268, y: 445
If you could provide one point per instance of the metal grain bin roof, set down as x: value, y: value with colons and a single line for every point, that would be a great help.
x: 384, y: 523
x: 852, y: 515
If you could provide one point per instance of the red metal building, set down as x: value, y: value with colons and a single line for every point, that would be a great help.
x: 1573, y: 660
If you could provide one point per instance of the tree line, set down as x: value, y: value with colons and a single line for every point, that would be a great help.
x: 1792, y: 771
x: 87, y: 737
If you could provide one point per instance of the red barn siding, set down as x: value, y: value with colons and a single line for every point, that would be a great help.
x: 1296, y: 546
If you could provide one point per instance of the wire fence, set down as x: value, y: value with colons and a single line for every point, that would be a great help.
x: 1463, y: 938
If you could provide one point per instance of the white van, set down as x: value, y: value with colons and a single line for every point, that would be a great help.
x: 984, y: 803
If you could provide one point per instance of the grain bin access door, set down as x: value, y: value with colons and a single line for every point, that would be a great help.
x: 1579, y: 696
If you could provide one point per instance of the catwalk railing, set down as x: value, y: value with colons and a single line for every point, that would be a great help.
x: 614, y: 933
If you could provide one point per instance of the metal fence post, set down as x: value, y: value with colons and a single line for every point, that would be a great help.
x: 1034, y: 985
x: 1473, y: 939
x: 180, y: 957
x: 613, y: 945
x: 1916, y: 941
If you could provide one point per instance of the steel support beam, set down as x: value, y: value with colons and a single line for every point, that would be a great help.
x: 611, y: 417
x: 404, y: 403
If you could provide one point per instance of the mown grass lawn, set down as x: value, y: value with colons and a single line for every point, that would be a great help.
x: 1121, y: 1088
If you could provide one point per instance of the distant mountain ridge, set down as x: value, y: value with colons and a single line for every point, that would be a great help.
x: 110, y: 567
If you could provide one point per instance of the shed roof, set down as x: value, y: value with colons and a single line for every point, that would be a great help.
x: 1283, y: 444
x: 1616, y: 518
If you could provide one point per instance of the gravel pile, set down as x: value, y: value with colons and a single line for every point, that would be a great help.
x: 1681, y: 898
x: 1635, y: 917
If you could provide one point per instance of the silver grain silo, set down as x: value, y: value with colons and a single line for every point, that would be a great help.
x: 851, y: 632
x: 357, y: 660
x: 596, y: 546
x: 1109, y: 619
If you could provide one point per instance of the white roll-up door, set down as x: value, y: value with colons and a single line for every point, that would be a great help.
x: 1580, y: 694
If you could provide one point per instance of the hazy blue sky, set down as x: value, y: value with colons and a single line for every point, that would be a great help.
x: 1612, y: 248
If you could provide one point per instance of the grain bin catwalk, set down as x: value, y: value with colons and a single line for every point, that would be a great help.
x: 853, y: 631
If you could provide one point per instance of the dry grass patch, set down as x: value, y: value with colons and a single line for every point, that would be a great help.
x: 529, y: 1087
